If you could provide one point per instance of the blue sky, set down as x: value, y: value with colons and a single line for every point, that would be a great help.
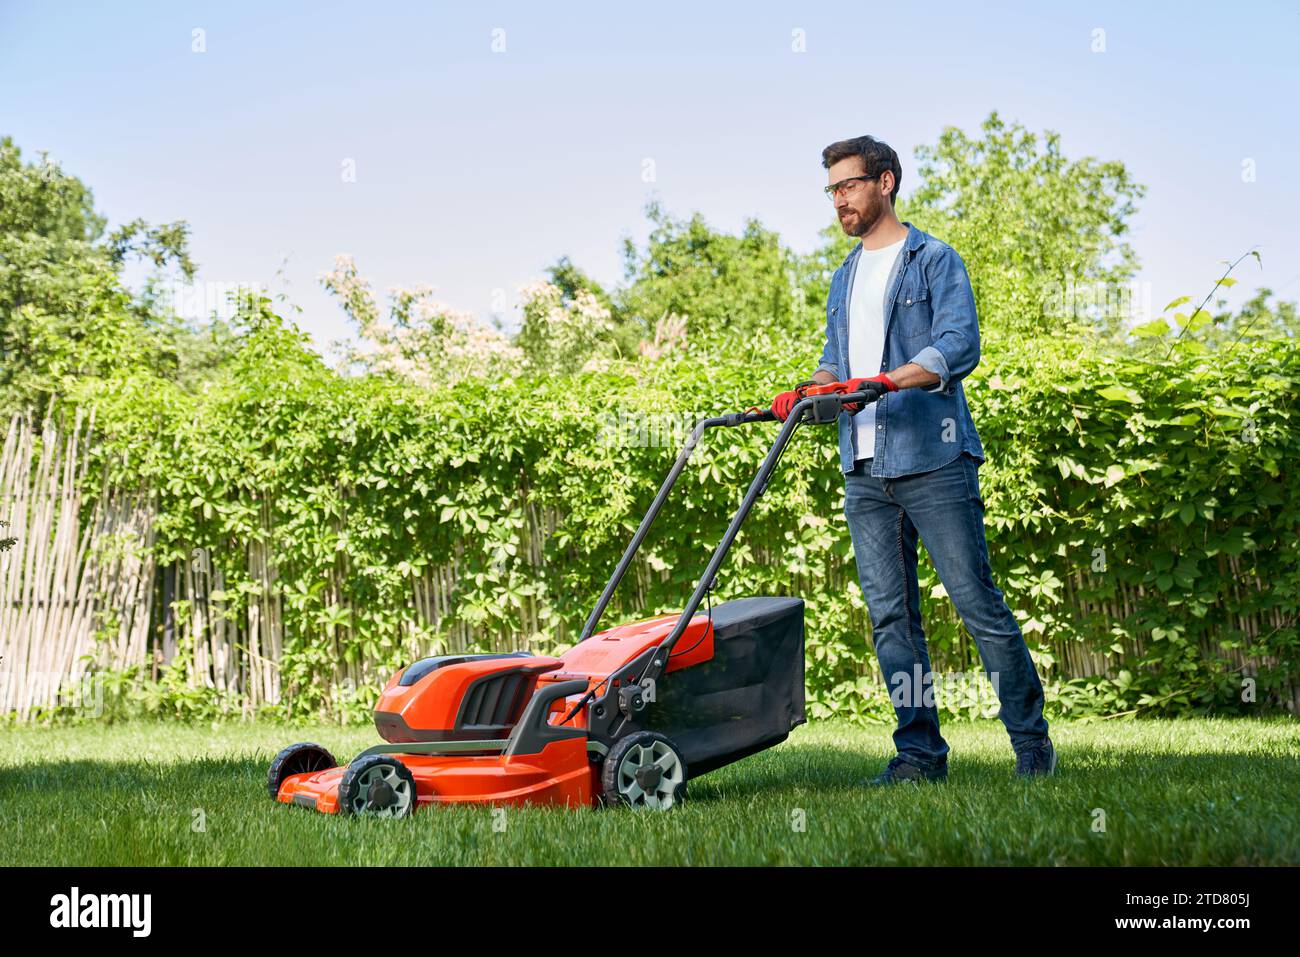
x: 476, y: 169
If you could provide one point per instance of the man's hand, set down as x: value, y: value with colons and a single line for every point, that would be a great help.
x: 856, y: 385
x: 784, y: 401
x: 879, y: 384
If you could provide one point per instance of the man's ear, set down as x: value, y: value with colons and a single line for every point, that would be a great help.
x: 887, y: 179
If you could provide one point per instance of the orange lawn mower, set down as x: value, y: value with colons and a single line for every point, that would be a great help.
x: 624, y: 717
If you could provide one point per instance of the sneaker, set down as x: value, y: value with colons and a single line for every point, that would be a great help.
x: 900, y: 769
x: 1036, y: 761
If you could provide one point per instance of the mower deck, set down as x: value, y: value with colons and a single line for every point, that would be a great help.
x: 559, y: 774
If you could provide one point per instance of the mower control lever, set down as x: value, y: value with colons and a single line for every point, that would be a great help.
x: 830, y: 398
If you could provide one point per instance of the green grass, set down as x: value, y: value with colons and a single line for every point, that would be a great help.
x: 1215, y: 791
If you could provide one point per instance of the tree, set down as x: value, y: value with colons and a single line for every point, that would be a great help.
x: 65, y: 312
x: 1040, y: 234
x: 733, y: 293
x: 563, y: 333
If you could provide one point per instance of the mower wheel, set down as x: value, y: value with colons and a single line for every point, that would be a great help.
x: 297, y: 759
x: 379, y: 785
x: 644, y: 770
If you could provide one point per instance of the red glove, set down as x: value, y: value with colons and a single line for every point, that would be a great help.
x: 784, y: 401
x: 868, y: 384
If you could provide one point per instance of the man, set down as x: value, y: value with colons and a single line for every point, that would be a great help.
x: 902, y: 302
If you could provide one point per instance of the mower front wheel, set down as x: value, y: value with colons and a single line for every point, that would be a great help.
x: 379, y: 786
x: 644, y: 770
x: 297, y: 759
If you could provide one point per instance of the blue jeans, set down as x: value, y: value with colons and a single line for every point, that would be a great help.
x: 945, y: 508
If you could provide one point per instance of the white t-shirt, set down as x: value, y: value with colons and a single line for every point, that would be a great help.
x: 867, y: 333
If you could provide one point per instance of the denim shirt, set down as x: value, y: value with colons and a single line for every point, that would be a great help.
x: 930, y: 320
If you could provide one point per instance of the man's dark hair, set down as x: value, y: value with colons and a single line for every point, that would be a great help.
x: 876, y: 157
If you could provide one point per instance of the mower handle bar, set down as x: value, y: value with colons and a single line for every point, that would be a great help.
x: 821, y: 404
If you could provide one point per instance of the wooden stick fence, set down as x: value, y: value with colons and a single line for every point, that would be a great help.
x: 74, y: 592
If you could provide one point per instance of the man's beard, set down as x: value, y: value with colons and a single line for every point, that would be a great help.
x: 865, y: 221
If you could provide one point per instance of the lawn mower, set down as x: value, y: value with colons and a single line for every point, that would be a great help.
x: 624, y: 717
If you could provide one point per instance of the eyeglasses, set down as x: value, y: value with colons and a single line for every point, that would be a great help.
x: 842, y: 187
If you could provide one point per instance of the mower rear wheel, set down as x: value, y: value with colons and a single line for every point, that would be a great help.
x: 644, y: 770
x: 297, y: 759
x: 379, y: 786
